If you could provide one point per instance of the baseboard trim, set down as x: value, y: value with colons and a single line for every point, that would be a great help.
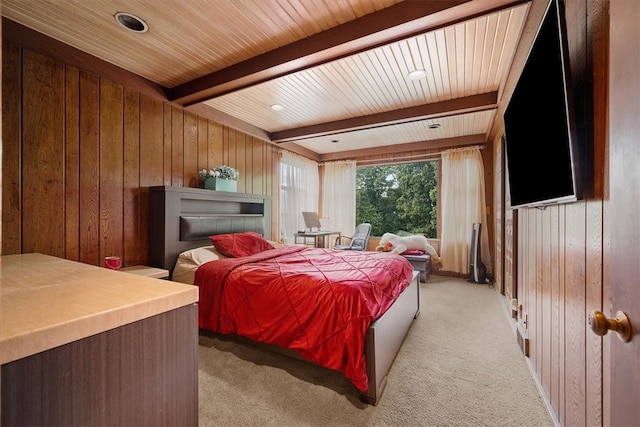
x: 506, y: 306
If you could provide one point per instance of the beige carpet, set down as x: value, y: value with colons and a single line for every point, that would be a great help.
x: 459, y: 366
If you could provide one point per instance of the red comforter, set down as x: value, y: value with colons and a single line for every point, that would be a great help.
x: 318, y: 302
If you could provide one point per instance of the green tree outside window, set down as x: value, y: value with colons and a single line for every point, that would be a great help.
x: 400, y: 199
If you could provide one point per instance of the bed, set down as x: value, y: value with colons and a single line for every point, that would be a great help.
x: 182, y: 221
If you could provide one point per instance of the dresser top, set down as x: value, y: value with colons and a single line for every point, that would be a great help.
x: 46, y: 302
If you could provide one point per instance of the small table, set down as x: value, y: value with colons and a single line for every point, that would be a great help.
x: 316, y: 236
x: 421, y: 263
x: 143, y: 270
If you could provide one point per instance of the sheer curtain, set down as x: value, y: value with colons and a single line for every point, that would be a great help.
x: 463, y: 204
x: 339, y: 196
x: 298, y: 193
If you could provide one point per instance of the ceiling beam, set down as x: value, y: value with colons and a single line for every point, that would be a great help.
x: 439, y: 144
x: 397, y: 22
x: 469, y: 104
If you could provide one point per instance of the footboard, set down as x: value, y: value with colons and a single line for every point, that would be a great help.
x: 385, y: 337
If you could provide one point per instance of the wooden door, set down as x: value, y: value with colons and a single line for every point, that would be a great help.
x: 622, y: 375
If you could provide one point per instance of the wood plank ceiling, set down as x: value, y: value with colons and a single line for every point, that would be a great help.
x: 338, y: 67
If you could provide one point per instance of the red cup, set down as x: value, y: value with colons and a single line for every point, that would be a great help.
x: 112, y: 262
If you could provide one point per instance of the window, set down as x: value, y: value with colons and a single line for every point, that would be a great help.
x: 298, y: 193
x: 398, y: 198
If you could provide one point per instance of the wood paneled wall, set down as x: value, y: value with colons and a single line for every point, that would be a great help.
x: 80, y: 153
x: 559, y: 249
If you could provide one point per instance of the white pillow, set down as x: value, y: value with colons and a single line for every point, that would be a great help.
x: 199, y: 256
x: 189, y: 261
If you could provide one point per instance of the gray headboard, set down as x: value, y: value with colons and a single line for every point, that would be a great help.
x: 183, y: 218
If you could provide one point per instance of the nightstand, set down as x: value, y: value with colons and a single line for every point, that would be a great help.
x: 421, y: 263
x: 143, y: 270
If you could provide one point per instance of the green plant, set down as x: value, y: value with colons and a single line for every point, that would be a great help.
x: 223, y: 172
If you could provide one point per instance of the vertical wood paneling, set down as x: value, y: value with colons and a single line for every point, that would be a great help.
x: 524, y: 282
x: 227, y: 134
x: 43, y: 155
x: 548, y: 216
x: 89, y: 171
x: 248, y: 162
x: 240, y: 163
x: 568, y: 358
x: 556, y: 302
x: 575, y: 321
x: 11, y: 151
x: 562, y: 238
x: 111, y: 170
x: 152, y: 158
x: 151, y: 142
x: 98, y: 147
x: 539, y: 290
x: 257, y: 160
x: 203, y: 145
x: 72, y: 164
x: 215, y: 145
x: 510, y: 255
x: 594, y: 283
x: 132, y: 232
x: 177, y: 147
x: 167, y: 158
x: 190, y: 151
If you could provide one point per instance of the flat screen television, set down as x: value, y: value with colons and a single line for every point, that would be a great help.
x: 540, y: 137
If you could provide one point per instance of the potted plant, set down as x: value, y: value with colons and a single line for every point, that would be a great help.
x: 221, y: 178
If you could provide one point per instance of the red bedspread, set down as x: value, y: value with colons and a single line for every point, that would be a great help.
x: 318, y: 302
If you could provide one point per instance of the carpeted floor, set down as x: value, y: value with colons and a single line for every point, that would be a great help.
x: 459, y: 366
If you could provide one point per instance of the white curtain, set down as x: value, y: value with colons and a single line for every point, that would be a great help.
x: 299, y: 193
x: 463, y: 204
x: 339, y: 196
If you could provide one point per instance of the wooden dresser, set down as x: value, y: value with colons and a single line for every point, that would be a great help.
x: 83, y: 345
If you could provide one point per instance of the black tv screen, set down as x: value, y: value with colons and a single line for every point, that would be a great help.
x: 540, y: 138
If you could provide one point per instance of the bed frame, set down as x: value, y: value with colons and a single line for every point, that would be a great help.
x: 183, y: 218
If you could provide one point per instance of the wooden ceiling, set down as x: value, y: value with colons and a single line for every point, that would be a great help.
x: 338, y: 67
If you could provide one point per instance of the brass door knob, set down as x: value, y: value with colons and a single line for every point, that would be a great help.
x: 601, y: 325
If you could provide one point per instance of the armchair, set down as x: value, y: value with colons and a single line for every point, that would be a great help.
x: 357, y: 242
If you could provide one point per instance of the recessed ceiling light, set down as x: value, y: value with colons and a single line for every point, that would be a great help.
x: 434, y: 126
x: 416, y: 74
x: 277, y: 107
x: 131, y: 22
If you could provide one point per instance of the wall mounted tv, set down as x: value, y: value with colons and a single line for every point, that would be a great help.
x: 540, y: 137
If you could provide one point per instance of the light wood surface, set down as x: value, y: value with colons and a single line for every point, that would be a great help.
x: 143, y: 270
x: 47, y: 302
